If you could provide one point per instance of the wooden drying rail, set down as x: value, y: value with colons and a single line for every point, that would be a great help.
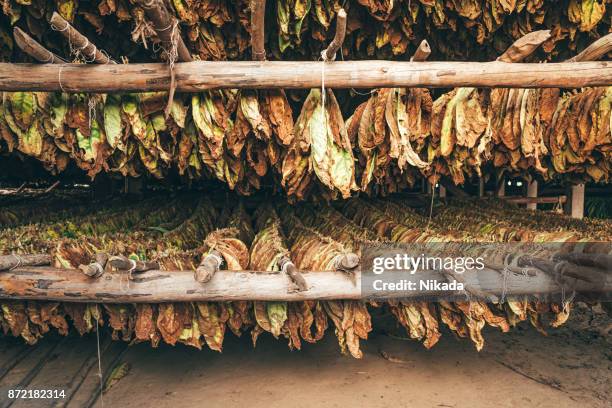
x: 201, y: 75
x: 45, y: 283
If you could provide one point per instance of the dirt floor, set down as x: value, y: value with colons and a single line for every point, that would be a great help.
x: 570, y: 367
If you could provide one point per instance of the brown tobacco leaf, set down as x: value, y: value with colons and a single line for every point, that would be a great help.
x: 145, y: 328
x: 234, y: 251
x: 170, y: 322
x: 211, y: 319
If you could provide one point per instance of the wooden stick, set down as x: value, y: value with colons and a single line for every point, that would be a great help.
x: 202, y: 75
x: 123, y: 263
x: 164, y: 23
x: 258, y: 13
x: 536, y: 200
x: 8, y: 262
x: 595, y: 51
x: 44, y: 283
x: 96, y: 268
x: 347, y: 262
x: 31, y: 47
x: 293, y: 273
x: 208, y: 267
x: 330, y: 52
x: 524, y: 46
x: 78, y: 41
x: 422, y: 52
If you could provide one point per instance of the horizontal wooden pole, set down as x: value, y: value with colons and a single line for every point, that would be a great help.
x: 200, y: 75
x: 44, y: 283
x: 536, y: 200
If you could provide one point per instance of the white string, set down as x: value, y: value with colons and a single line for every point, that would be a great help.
x: 59, y: 78
x: 91, y: 105
x: 19, y: 262
x: 99, y: 362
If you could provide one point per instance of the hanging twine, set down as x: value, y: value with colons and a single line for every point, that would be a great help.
x: 20, y: 261
x: 172, y: 55
x: 91, y: 105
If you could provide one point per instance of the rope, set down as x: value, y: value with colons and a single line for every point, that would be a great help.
x: 172, y: 55
x: 59, y: 78
x: 20, y: 261
x: 91, y: 105
x: 99, y: 363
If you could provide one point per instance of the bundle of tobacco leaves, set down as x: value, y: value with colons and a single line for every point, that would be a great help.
x: 320, y: 148
x: 178, y: 233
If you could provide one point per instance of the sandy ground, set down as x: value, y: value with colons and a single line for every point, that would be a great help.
x: 570, y: 367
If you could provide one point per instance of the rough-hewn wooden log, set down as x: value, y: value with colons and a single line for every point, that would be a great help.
x: 595, y: 51
x: 258, y: 13
x: 78, y: 41
x: 31, y: 47
x: 200, y: 75
x: 44, y: 283
x: 8, y: 262
x: 164, y: 24
x: 329, y: 54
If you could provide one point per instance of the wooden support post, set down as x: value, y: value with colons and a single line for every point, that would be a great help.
x: 481, y: 187
x: 532, y: 191
x: 577, y: 201
x: 133, y: 185
x: 31, y: 47
x: 258, y: 13
x: 78, y: 41
x: 329, y: 54
x: 204, y: 75
x: 428, y: 189
x: 501, y: 187
x: 442, y: 191
x: 164, y: 27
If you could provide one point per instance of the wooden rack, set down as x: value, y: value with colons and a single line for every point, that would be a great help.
x: 202, y: 75
x: 46, y: 283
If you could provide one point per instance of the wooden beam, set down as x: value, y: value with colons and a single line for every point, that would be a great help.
x: 536, y: 200
x: 258, y: 13
x: 44, y: 283
x: 329, y: 54
x: 201, y: 75
x: 78, y: 41
x: 31, y: 47
x: 532, y: 192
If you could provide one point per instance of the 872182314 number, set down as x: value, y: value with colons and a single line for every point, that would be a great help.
x: 36, y: 394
